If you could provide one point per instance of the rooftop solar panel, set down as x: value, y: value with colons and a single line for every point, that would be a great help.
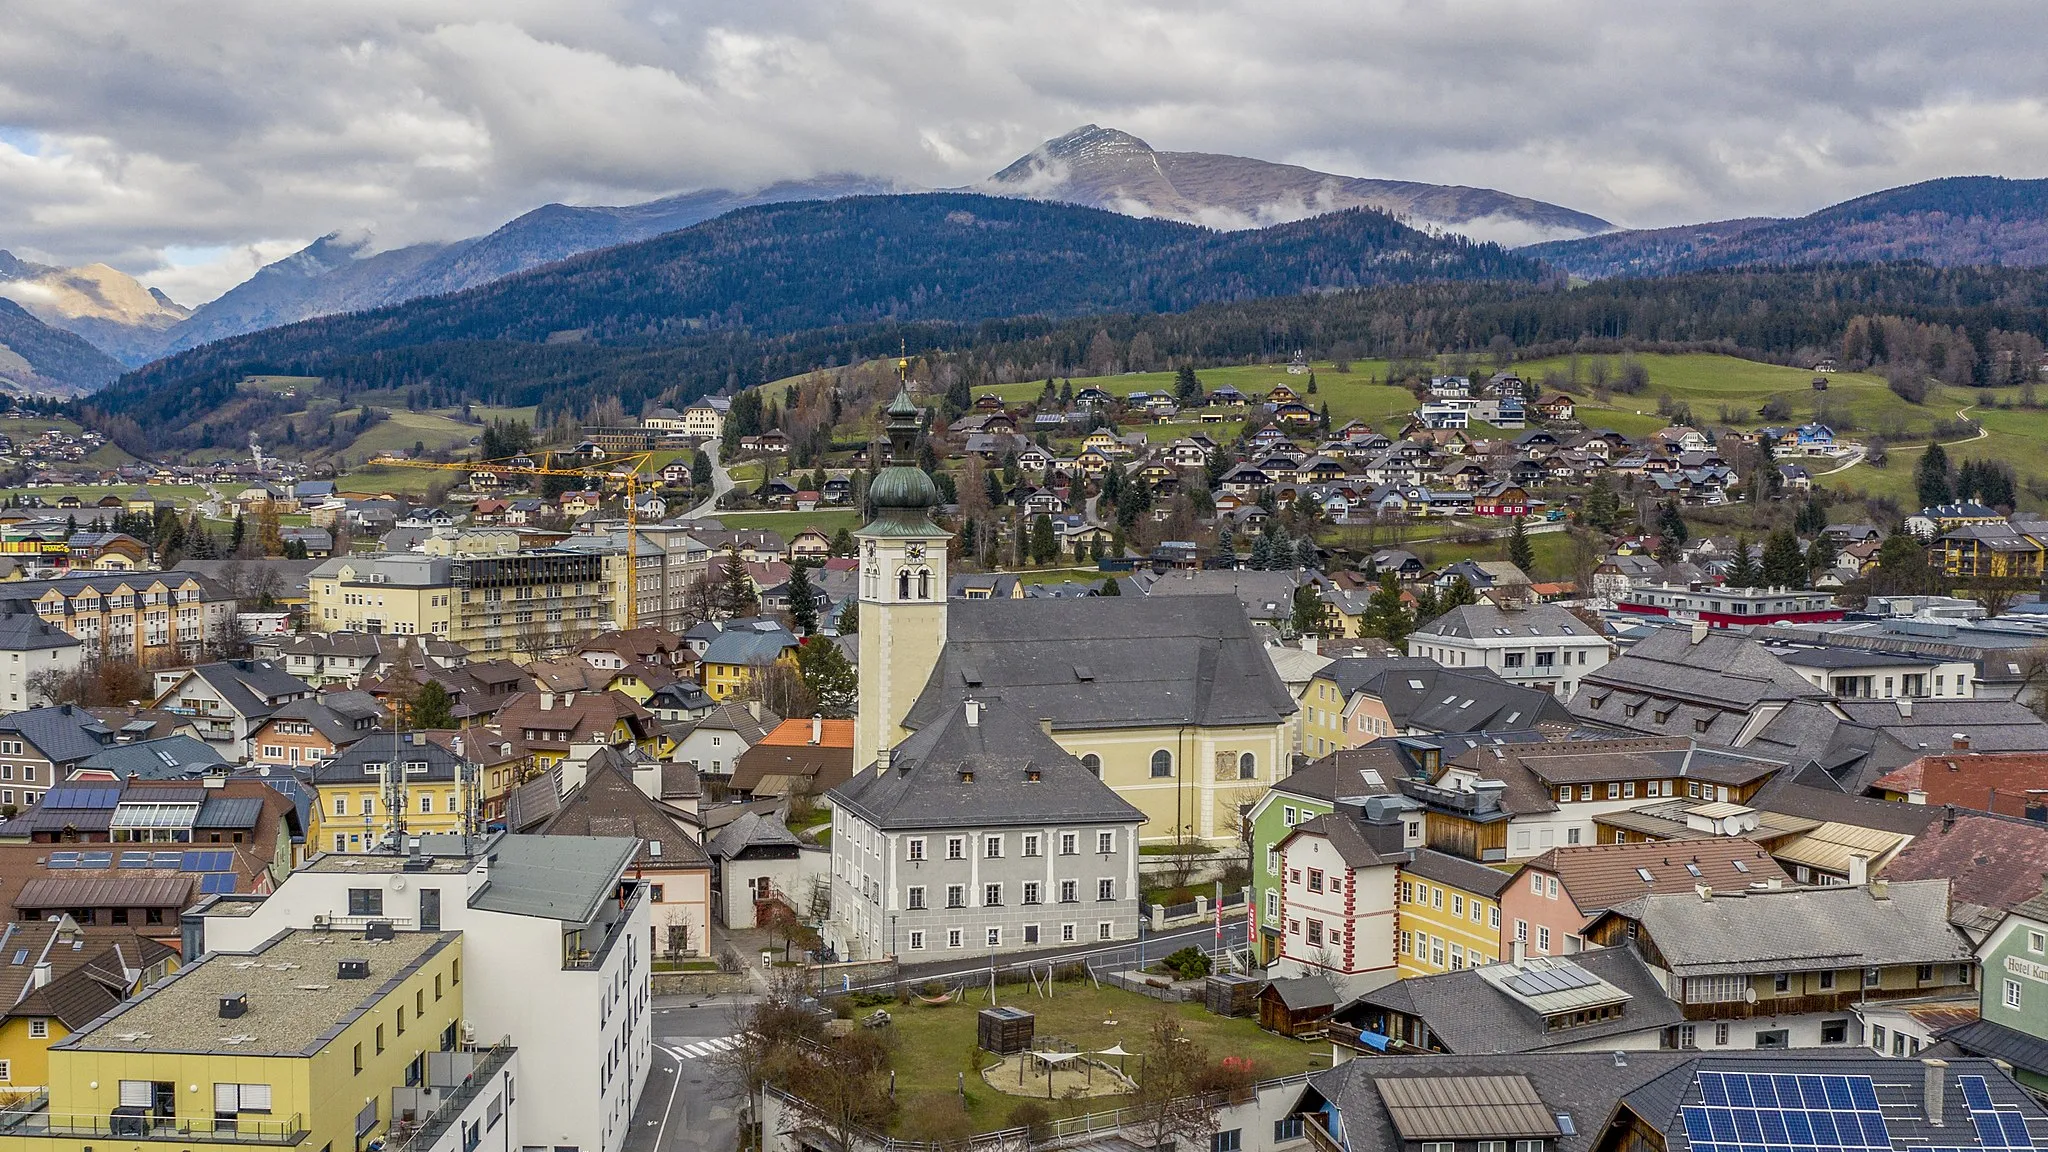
x: 1975, y: 1094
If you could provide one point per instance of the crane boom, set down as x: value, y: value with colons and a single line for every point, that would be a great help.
x: 546, y: 468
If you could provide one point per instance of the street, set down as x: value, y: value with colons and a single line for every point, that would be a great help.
x: 690, y: 1103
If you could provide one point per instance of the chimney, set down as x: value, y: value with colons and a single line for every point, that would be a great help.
x: 234, y: 1007
x: 817, y: 728
x: 754, y: 709
x: 1933, y: 1087
x: 1916, y: 796
x: 547, y: 701
x: 1880, y: 889
x: 1859, y: 869
x: 1312, y: 644
x: 1959, y: 741
x: 885, y: 760
x: 1905, y: 707
x: 41, y: 979
x: 1520, y: 951
x: 1699, y: 631
x: 1045, y: 725
x: 1705, y: 892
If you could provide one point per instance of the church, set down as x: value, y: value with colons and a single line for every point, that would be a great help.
x: 1171, y: 702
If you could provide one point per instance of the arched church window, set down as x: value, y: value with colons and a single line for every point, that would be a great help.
x: 903, y: 584
x: 924, y: 584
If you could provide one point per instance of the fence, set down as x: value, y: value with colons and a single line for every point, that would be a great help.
x: 1050, y: 1135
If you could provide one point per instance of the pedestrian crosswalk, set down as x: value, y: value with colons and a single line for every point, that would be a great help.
x: 698, y: 1048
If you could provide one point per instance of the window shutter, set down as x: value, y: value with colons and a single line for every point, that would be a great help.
x: 227, y: 1098
x: 136, y: 1094
x: 256, y: 1097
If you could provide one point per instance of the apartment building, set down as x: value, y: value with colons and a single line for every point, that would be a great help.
x: 146, y: 616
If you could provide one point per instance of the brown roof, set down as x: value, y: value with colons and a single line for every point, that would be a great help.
x: 1988, y: 860
x: 645, y: 645
x: 770, y: 769
x: 608, y: 803
x: 105, y: 890
x: 583, y: 716
x: 1599, y: 876
x: 2002, y: 782
x: 84, y: 981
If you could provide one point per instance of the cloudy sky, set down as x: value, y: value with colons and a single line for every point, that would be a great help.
x: 188, y: 141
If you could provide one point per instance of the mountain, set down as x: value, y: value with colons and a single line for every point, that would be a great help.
x: 102, y: 304
x: 1954, y: 222
x: 1105, y: 168
x: 941, y: 258
x: 336, y: 274
x: 36, y: 357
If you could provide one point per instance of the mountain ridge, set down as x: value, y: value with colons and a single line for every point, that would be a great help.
x: 36, y: 357
x: 1952, y: 221
x: 1113, y: 169
x: 782, y: 268
x: 102, y: 304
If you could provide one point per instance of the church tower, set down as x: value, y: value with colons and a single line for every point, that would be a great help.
x: 902, y: 589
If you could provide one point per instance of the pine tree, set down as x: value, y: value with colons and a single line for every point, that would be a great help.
x: 1459, y: 594
x: 1110, y: 587
x: 1310, y: 614
x: 1931, y: 477
x: 430, y: 706
x: 1602, y: 508
x: 1226, y: 543
x: 1262, y: 553
x: 828, y: 674
x: 1385, y: 616
x: 1045, y: 548
x: 1520, y: 552
x: 1187, y: 387
x: 1784, y: 563
x: 1743, y: 574
x: 1427, y: 605
x: 1671, y: 523
x: 736, y: 595
x: 803, y: 605
x: 1305, y: 554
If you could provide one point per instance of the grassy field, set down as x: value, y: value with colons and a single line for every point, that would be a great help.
x: 403, y: 429
x: 935, y: 1045
x: 398, y: 481
x: 826, y: 520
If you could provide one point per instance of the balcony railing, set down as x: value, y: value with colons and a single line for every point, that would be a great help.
x: 422, y: 1137
x: 283, y: 1132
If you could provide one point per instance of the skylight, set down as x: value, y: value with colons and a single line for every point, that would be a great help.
x: 1645, y: 874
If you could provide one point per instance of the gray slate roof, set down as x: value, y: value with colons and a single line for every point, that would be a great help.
x: 64, y: 734
x: 1800, y: 928
x: 1433, y: 698
x: 162, y: 759
x: 27, y: 632
x: 926, y: 784
x: 1108, y: 662
x: 1483, y: 621
x: 751, y: 830
x: 561, y: 878
x: 1472, y: 1017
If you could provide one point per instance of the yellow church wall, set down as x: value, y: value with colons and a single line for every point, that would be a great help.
x: 1202, y: 795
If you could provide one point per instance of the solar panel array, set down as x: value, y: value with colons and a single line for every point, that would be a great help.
x: 1781, y: 1112
x: 181, y: 861
x: 1996, y: 1127
x: 1554, y: 978
x: 82, y: 798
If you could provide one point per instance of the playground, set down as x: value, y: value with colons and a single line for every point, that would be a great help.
x: 935, y: 1055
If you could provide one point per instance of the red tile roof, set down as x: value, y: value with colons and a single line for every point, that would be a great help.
x: 1988, y: 860
x: 2002, y: 782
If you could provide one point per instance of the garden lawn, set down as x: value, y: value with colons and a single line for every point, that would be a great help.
x: 826, y: 520
x: 934, y: 1046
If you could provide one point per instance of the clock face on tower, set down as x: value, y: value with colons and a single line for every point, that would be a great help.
x: 914, y: 552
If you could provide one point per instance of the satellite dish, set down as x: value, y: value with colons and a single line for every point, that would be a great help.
x: 398, y: 883
x: 263, y: 771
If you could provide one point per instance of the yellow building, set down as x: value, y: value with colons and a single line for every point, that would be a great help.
x: 731, y: 660
x: 307, y: 1043
x: 1988, y: 551
x: 1171, y: 700
x: 400, y: 595
x: 1448, y: 916
x: 385, y: 782
x: 66, y: 978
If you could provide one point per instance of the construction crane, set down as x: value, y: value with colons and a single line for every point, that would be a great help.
x: 546, y: 467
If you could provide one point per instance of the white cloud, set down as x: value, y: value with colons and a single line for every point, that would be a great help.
x: 239, y: 126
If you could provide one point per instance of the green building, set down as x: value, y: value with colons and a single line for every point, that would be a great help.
x: 2012, y: 1022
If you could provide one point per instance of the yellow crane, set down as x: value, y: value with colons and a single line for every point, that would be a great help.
x: 601, y: 474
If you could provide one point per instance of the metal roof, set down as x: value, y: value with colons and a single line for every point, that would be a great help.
x: 562, y: 878
x: 1466, y: 1107
x: 104, y: 892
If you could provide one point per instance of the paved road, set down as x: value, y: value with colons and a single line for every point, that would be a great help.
x: 690, y: 1103
x: 721, y: 483
x: 1155, y: 945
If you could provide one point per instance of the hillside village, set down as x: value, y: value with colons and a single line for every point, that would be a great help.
x: 1483, y: 735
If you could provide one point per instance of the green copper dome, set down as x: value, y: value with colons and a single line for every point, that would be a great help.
x: 903, y: 487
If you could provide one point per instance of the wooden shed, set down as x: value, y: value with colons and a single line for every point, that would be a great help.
x: 1232, y: 995
x: 1004, y: 1031
x: 1299, y: 1007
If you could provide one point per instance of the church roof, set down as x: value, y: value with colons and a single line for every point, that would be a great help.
x: 1107, y: 662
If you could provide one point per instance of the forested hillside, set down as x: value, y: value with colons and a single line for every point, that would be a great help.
x: 1960, y: 221
x: 622, y: 319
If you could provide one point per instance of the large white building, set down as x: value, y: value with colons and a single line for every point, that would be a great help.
x: 555, y: 957
x: 30, y: 647
x: 1539, y: 646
